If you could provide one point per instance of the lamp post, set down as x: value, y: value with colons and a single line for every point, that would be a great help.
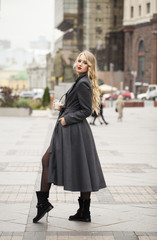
x: 111, y: 81
x: 134, y: 74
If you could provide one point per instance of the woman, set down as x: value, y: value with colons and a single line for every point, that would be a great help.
x: 120, y: 106
x: 71, y: 160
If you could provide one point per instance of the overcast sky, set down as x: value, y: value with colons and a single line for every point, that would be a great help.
x: 22, y: 21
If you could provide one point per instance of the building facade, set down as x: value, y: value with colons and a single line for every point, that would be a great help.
x: 66, y: 20
x: 5, y: 44
x: 95, y: 25
x: 37, y: 76
x: 140, y: 29
x: 103, y: 32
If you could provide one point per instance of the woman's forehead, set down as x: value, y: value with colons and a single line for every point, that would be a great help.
x: 82, y: 57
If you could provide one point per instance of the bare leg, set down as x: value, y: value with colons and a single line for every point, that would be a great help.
x: 45, y: 185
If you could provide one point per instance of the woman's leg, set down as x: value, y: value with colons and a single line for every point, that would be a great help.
x: 102, y: 116
x: 83, y: 213
x: 85, y: 195
x: 45, y: 185
x: 43, y: 205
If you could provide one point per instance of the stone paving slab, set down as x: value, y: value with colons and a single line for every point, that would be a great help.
x: 126, y: 210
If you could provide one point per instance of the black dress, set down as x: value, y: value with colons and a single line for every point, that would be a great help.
x: 74, y: 163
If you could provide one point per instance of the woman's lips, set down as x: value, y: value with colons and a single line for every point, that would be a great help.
x: 79, y: 68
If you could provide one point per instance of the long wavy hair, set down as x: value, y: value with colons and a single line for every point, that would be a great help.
x: 92, y: 75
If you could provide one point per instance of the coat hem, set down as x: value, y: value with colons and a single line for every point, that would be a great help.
x: 80, y: 190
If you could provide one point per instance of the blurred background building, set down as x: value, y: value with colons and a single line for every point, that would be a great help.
x: 40, y: 44
x: 140, y: 29
x: 122, y: 34
x: 5, y: 44
x: 95, y: 25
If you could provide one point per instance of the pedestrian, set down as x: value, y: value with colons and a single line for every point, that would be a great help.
x: 94, y: 116
x: 71, y: 160
x: 119, y: 107
x: 100, y: 115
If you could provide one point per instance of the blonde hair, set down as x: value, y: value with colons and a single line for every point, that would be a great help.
x: 92, y: 75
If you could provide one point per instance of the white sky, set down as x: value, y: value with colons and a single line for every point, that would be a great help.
x: 22, y: 21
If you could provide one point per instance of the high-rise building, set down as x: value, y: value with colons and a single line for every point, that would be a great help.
x: 41, y: 44
x: 95, y: 25
x: 66, y: 20
x: 140, y: 28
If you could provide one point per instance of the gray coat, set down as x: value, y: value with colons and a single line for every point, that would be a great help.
x: 74, y: 163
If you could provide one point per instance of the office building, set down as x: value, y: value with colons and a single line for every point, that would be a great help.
x: 140, y: 29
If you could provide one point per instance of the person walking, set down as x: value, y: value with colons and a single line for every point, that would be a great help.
x: 71, y: 160
x: 120, y: 106
x: 100, y: 115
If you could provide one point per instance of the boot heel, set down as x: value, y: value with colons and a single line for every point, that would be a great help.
x: 47, y: 216
x: 43, y: 205
x: 49, y: 208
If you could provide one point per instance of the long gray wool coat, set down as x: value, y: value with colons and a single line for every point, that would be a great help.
x: 74, y: 163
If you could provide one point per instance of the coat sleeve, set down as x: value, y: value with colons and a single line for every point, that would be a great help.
x: 85, y: 100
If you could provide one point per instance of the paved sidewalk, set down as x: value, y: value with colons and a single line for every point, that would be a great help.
x: 126, y: 210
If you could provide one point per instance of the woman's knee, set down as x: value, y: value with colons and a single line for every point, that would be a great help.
x: 45, y: 160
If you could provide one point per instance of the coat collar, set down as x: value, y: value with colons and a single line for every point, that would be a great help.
x: 81, y: 76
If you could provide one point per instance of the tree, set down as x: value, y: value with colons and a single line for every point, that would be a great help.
x: 20, y: 76
x: 46, y: 97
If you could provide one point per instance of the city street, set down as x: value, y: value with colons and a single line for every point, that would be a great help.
x: 125, y: 210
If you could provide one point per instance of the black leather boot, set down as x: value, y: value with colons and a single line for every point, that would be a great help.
x: 83, y: 213
x: 43, y: 205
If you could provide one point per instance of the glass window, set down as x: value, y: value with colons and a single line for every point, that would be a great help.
x: 139, y: 10
x: 152, y: 89
x: 141, y: 62
x: 132, y: 12
x: 70, y: 6
x: 98, y: 7
x: 141, y: 59
x: 148, y: 7
x: 141, y: 46
x: 115, y: 3
x: 98, y: 30
x: 115, y: 20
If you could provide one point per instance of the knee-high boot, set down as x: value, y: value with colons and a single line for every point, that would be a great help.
x: 83, y: 213
x: 43, y: 205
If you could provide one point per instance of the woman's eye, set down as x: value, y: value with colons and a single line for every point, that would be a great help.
x: 79, y: 60
x: 85, y: 62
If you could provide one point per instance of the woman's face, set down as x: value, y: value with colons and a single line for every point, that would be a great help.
x: 81, y: 64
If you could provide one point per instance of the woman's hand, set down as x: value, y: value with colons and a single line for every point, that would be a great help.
x: 62, y: 121
x: 57, y: 105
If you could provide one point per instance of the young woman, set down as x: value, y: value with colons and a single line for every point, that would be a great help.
x: 71, y: 160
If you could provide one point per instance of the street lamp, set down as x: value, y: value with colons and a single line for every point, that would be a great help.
x: 134, y: 74
x: 111, y: 80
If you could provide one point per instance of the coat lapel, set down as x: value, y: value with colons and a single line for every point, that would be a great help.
x: 70, y: 90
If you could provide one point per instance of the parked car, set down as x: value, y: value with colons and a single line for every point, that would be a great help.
x: 38, y: 93
x: 126, y: 95
x: 1, y: 94
x: 150, y: 94
x: 27, y: 94
x: 155, y: 98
